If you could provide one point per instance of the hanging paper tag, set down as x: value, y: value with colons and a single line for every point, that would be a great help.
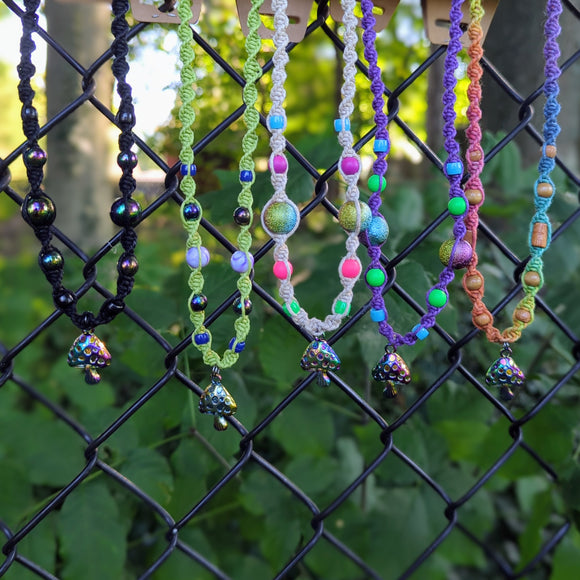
x: 156, y: 11
x: 382, y: 9
x: 298, y: 13
x: 436, y: 18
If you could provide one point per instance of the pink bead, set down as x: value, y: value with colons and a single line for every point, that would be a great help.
x: 280, y: 270
x: 279, y: 164
x: 351, y: 268
x: 350, y: 165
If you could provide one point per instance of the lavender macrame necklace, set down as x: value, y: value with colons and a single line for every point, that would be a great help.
x: 455, y: 253
x: 281, y: 216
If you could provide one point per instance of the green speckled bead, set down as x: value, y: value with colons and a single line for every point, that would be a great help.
x: 457, y: 206
x: 280, y: 218
x: 375, y: 277
x: 347, y: 216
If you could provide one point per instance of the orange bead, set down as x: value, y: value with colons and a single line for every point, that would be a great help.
x: 474, y: 282
x: 475, y: 155
x: 540, y: 235
x: 551, y: 151
x: 474, y: 196
x: 544, y: 189
x: 523, y: 315
x: 482, y: 319
x: 468, y: 237
x: 532, y: 278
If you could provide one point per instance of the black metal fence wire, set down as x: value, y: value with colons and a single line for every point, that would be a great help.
x: 174, y: 523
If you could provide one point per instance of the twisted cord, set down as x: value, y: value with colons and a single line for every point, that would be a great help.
x: 34, y: 157
x: 252, y: 72
x: 544, y: 188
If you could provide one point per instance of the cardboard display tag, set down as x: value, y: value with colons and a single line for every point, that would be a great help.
x: 148, y: 11
x: 298, y: 13
x: 383, y: 11
x: 436, y: 18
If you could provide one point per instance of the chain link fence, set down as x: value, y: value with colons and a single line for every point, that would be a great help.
x: 399, y: 456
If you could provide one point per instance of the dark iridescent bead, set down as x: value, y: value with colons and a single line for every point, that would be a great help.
x: 34, y: 157
x: 237, y: 305
x: 118, y: 212
x: 29, y: 114
x: 198, y: 302
x: 191, y: 211
x: 63, y: 298
x: 115, y: 307
x: 39, y: 211
x: 242, y: 216
x: 51, y: 260
x: 127, y: 160
x: 128, y: 266
x: 125, y: 117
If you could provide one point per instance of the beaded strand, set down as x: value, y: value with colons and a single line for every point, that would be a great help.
x: 506, y: 374
x: 216, y: 400
x: 455, y: 253
x: 88, y: 352
x: 281, y: 216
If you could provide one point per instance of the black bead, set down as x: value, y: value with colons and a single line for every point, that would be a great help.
x: 117, y: 212
x: 242, y: 216
x: 115, y: 307
x: 63, y: 298
x: 128, y: 266
x: 127, y: 160
x: 125, y: 117
x: 38, y: 211
x: 191, y: 211
x: 29, y: 114
x: 34, y: 157
x: 51, y: 260
x: 198, y: 302
x: 87, y: 320
x: 237, y: 305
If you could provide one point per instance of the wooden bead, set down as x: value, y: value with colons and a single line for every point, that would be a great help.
x: 523, y: 315
x: 544, y: 189
x: 482, y: 319
x: 540, y: 235
x: 474, y: 196
x: 468, y: 237
x: 532, y: 278
x: 474, y: 282
x: 551, y: 151
x: 475, y: 155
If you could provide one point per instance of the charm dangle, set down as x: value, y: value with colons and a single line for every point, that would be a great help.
x: 89, y: 352
x: 216, y: 401
x: 320, y: 357
x: 505, y: 374
x: 393, y: 371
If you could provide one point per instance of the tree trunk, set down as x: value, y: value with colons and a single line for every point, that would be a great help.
x: 79, y: 147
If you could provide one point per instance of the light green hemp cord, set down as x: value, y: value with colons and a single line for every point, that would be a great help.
x: 252, y: 72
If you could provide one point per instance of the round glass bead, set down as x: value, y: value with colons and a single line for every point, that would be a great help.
x: 117, y: 212
x: 241, y: 261
x: 246, y: 175
x: 197, y: 257
x: 34, y: 157
x: 29, y: 114
x: 350, y: 268
x: 191, y: 211
x: 280, y: 270
x: 64, y: 298
x: 347, y: 216
x: 378, y: 231
x: 128, y: 266
x: 375, y: 277
x: 457, y: 206
x: 437, y: 298
x: 125, y: 117
x: 39, y: 211
x: 51, y: 260
x: 198, y: 302
x: 127, y: 160
x: 373, y: 183
x: 242, y: 216
x: 350, y: 165
x: 237, y: 305
x: 280, y: 217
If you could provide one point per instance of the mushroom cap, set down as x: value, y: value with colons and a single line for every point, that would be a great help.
x: 320, y: 356
x: 89, y: 350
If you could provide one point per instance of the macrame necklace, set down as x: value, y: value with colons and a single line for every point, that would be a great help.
x: 216, y: 400
x: 88, y: 352
x: 504, y: 373
x: 455, y: 253
x: 281, y: 216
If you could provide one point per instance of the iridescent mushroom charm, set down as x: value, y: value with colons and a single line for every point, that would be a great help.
x: 391, y: 370
x: 89, y: 353
x: 320, y: 357
x: 505, y: 374
x: 216, y: 401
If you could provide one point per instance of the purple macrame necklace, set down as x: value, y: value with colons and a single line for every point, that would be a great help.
x: 391, y: 369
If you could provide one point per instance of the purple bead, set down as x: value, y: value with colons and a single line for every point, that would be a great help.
x: 196, y: 255
x: 240, y: 261
x: 350, y: 165
x: 278, y: 164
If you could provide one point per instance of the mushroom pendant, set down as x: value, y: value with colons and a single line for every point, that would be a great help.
x: 216, y: 401
x: 505, y: 374
x: 89, y: 353
x: 320, y: 358
x: 393, y: 371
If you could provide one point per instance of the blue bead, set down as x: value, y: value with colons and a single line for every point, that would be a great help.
x: 340, y: 123
x: 378, y: 231
x: 276, y: 122
x: 420, y: 332
x: 236, y: 346
x: 246, y: 175
x: 454, y: 168
x: 377, y: 315
x: 381, y: 146
x: 201, y: 338
x: 197, y: 257
x: 188, y: 169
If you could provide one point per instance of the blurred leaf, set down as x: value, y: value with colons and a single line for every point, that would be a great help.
x: 312, y: 475
x: 15, y: 492
x: 566, y: 557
